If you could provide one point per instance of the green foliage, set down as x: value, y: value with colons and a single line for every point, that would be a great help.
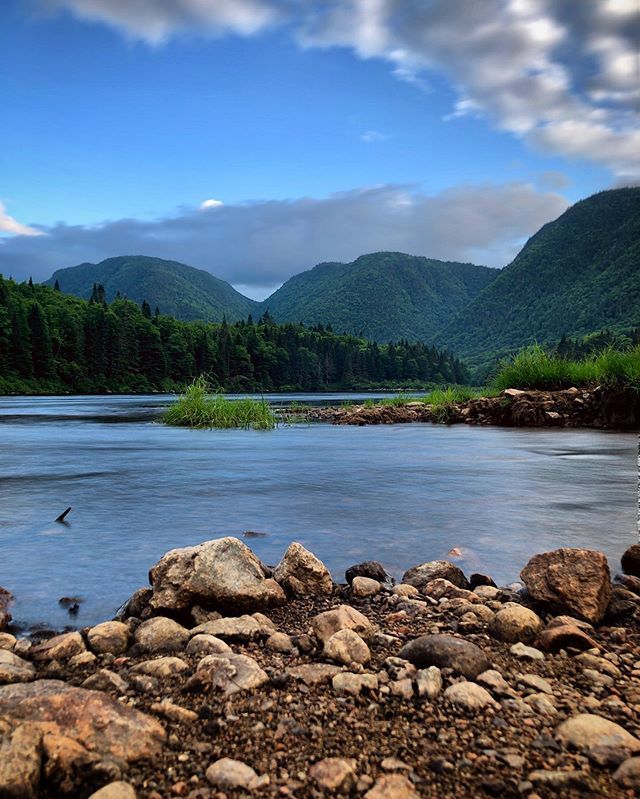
x: 578, y: 274
x: 177, y: 289
x: 537, y: 368
x: 198, y: 408
x: 382, y: 296
x: 52, y: 342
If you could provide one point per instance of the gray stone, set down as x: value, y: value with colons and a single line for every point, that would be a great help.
x: 429, y: 682
x: 234, y: 628
x: 228, y: 673
x: 313, y: 673
x: 161, y: 634
x: 204, y: 644
x: 371, y: 569
x: 525, y: 652
x: 280, y: 642
x: 628, y: 773
x: 347, y: 647
x: 110, y: 637
x: 470, y: 696
x: 115, y: 790
x: 588, y: 732
x: 106, y: 680
x: 446, y: 651
x: 363, y: 587
x: 420, y: 576
x: 334, y: 774
x: 227, y: 773
x: 392, y: 786
x: 515, y: 623
x: 347, y: 682
x: 161, y: 667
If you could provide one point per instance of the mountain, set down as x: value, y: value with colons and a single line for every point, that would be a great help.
x: 381, y: 296
x: 177, y: 289
x: 578, y: 274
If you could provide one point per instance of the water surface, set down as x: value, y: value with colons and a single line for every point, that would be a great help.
x: 401, y: 494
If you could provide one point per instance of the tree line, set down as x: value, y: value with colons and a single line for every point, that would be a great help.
x: 55, y: 343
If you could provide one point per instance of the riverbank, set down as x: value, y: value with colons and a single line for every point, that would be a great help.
x: 596, y: 407
x: 228, y: 678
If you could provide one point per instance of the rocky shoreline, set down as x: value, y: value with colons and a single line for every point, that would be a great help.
x: 229, y: 678
x: 596, y: 407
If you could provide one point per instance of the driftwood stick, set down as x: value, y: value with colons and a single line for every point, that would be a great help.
x: 63, y: 515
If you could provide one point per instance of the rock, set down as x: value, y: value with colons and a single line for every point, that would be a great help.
x: 515, y: 623
x: 301, y: 573
x: 394, y: 764
x: 233, y: 628
x: 536, y: 683
x: 161, y: 667
x: 334, y: 774
x: 405, y: 590
x: 161, y: 634
x: 420, y: 576
x: 202, y: 615
x: 14, y: 669
x: 392, y: 786
x: 599, y: 664
x: 441, y: 588
x: 493, y: 680
x: 174, y: 712
x: 446, y: 651
x: 429, y: 682
x: 7, y: 641
x: 347, y: 647
x: 82, y: 659
x: 476, y: 580
x: 203, y: 644
x: 6, y: 598
x: 85, y: 733
x: 115, y: 790
x: 542, y: 703
x: 370, y: 569
x: 280, y: 642
x: 106, y: 680
x: 313, y: 673
x: 574, y: 581
x: 228, y: 673
x: 110, y: 637
x: 402, y: 688
x: 364, y: 587
x: 558, y: 780
x: 60, y: 647
x: 627, y: 580
x: 470, y: 696
x: 222, y: 574
x: 20, y: 758
x: 561, y: 621
x: 343, y: 617
x: 589, y: 733
x: 487, y: 592
x: 630, y: 561
x: 227, y: 773
x: 135, y: 606
x: 525, y: 652
x: 348, y: 683
x: 553, y: 639
x: 628, y: 773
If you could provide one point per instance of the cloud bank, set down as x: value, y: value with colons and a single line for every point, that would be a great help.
x: 263, y: 243
x: 562, y: 76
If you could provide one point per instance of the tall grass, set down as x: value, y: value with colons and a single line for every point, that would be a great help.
x: 197, y: 407
x: 536, y: 368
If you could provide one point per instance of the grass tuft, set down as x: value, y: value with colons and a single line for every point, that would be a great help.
x: 197, y: 407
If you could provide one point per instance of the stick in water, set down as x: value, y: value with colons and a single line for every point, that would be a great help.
x: 63, y: 515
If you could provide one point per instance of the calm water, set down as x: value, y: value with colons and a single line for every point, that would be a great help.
x: 401, y: 494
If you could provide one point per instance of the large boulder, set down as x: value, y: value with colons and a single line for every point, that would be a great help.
x: 446, y: 652
x: 574, y: 581
x: 223, y: 574
x: 14, y: 668
x: 630, y: 561
x: 85, y: 735
x: 420, y: 576
x: 369, y: 568
x: 301, y: 573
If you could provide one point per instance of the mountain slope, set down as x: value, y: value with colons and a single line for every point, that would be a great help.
x: 578, y: 274
x: 177, y: 289
x: 381, y: 296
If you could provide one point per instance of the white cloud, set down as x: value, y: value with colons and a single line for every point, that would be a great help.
x: 371, y: 136
x: 210, y: 204
x: 263, y: 243
x: 11, y: 226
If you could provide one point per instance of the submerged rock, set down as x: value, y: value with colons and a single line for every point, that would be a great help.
x: 223, y: 574
x: 574, y: 581
x: 6, y: 598
x: 301, y: 573
x: 420, y: 576
x: 446, y: 651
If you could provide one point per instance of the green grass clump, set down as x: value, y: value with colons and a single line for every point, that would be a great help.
x: 535, y: 368
x: 197, y: 407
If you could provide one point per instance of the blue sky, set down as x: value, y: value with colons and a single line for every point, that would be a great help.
x: 324, y: 129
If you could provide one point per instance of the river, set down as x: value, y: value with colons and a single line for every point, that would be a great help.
x: 401, y: 494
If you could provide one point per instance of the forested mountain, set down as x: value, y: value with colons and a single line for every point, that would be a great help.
x: 576, y: 275
x: 52, y: 342
x: 380, y: 296
x: 176, y: 289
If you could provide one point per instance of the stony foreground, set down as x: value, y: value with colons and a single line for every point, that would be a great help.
x: 596, y: 407
x: 441, y: 686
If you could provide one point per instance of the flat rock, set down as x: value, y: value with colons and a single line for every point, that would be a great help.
x: 392, y: 786
x: 347, y: 682
x: 493, y: 680
x: 347, y: 647
x: 163, y: 667
x: 420, y: 576
x: 446, y: 651
x: 470, y: 696
x: 115, y: 790
x: 228, y: 673
x: 313, y: 673
x: 630, y: 561
x: 161, y: 634
x: 334, y: 774
x: 110, y: 637
x: 60, y: 647
x: 233, y: 628
x: 204, y: 644
x: 343, y: 617
x: 223, y: 574
x: 574, y: 581
x: 525, y: 652
x: 106, y: 680
x: 14, y: 669
x: 515, y: 623
x: 371, y: 569
x: 177, y: 713
x: 588, y: 732
x: 405, y: 590
x: 301, y: 573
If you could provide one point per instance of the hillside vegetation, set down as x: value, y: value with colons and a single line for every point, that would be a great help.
x: 176, y: 289
x: 381, y: 296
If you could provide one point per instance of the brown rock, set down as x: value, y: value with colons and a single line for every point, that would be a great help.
x: 364, y: 587
x: 174, y: 712
x: 110, y: 637
x: 588, y: 732
x: 228, y: 673
x: 343, y: 617
x: 20, y: 757
x: 347, y: 647
x: 14, y: 668
x: 392, y: 786
x: 420, y: 576
x: 7, y: 641
x: 575, y: 581
x: 233, y: 628
x: 161, y: 634
x: 301, y: 573
x: 228, y: 773
x: 313, y: 673
x: 115, y: 790
x: 630, y: 561
x: 161, y: 667
x: 106, y: 680
x: 628, y: 773
x: 60, y: 647
x: 553, y: 639
x: 515, y: 623
x: 371, y: 569
x: 6, y: 598
x: 203, y: 644
x: 135, y: 605
x: 222, y: 574
x: 334, y: 774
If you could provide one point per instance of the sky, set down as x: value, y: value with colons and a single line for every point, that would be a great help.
x: 256, y: 138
